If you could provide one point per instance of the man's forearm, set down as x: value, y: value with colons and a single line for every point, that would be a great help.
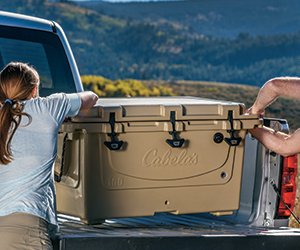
x: 265, y: 97
x: 288, y: 86
x: 275, y: 141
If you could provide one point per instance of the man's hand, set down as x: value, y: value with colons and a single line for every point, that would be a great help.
x: 251, y: 111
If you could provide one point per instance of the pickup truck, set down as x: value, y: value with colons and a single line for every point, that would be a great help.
x: 261, y: 219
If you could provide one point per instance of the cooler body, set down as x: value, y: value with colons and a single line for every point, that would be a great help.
x: 130, y: 157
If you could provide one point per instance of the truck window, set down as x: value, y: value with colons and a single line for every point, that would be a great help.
x: 42, y: 50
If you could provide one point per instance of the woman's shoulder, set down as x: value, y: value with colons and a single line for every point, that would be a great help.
x: 42, y: 104
x: 56, y: 104
x: 54, y: 98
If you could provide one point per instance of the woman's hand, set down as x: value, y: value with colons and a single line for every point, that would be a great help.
x: 88, y: 99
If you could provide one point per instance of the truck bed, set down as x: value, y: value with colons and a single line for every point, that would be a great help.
x: 168, y: 231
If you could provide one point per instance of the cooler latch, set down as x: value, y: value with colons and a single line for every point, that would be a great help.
x: 113, y: 144
x: 176, y: 142
x: 232, y: 141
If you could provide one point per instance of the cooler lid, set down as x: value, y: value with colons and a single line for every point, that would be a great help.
x: 159, y: 109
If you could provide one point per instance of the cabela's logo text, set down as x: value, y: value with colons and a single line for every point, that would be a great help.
x: 153, y: 159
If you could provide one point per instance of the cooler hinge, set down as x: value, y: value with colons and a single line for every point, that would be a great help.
x: 114, y: 144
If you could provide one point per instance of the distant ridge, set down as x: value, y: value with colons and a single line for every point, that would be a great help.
x: 216, y: 18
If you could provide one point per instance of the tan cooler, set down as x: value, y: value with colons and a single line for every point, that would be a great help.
x: 129, y: 157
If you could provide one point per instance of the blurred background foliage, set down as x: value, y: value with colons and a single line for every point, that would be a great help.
x: 208, y: 41
x: 128, y: 87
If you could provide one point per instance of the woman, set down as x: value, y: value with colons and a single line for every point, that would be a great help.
x: 28, y: 136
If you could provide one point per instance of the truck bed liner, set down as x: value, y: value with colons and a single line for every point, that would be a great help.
x: 168, y: 231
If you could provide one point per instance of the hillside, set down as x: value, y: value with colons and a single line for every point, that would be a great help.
x: 118, y: 48
x: 215, y: 18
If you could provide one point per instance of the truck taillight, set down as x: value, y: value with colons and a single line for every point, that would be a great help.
x: 288, y: 185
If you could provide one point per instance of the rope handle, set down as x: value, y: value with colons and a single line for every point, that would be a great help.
x: 57, y: 178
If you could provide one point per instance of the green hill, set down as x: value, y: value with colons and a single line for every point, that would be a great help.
x: 117, y: 47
